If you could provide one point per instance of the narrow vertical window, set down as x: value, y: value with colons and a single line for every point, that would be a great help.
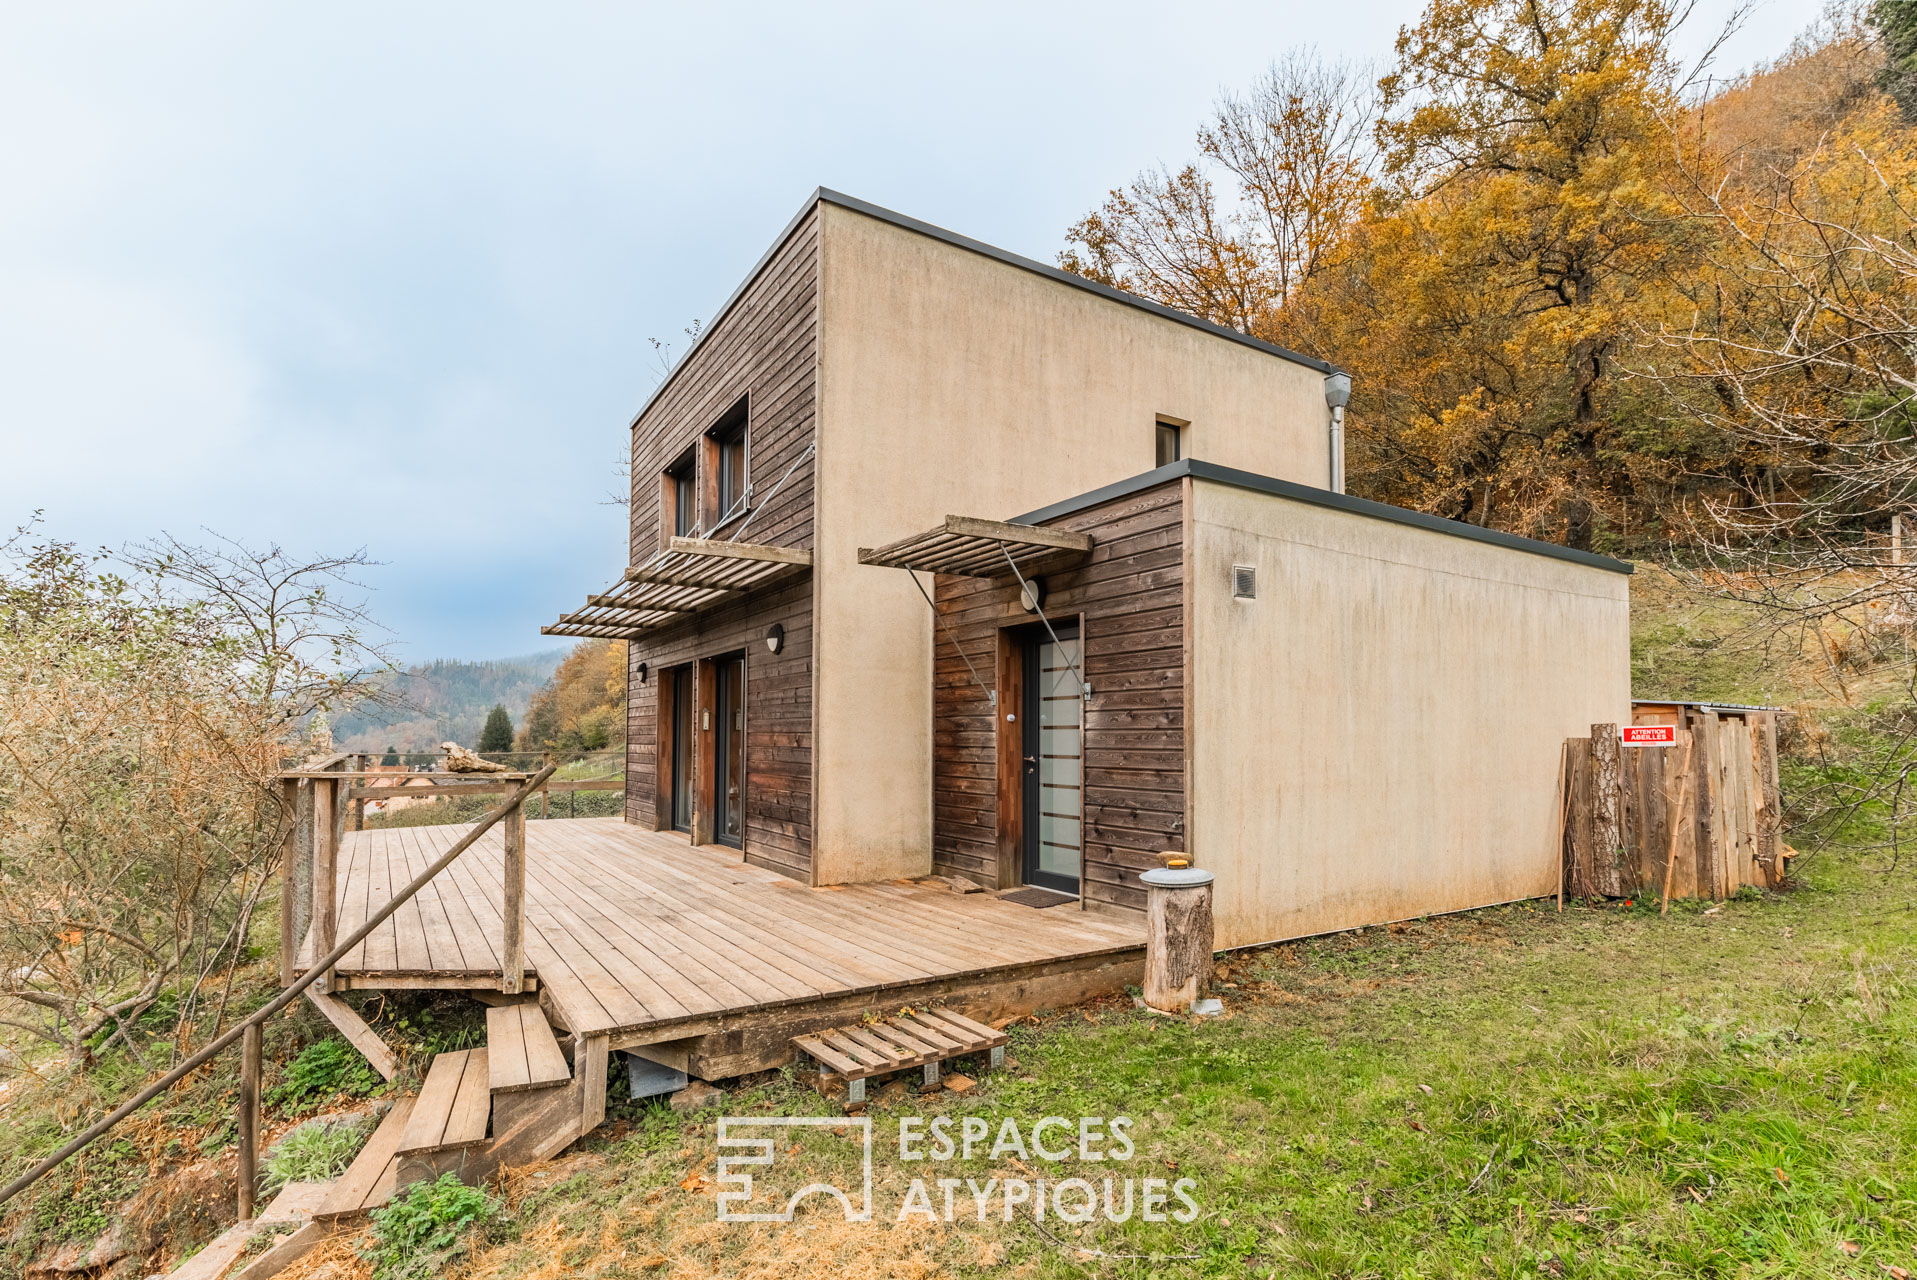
x: 1169, y: 450
x: 727, y: 485
x: 732, y: 471
x: 681, y: 497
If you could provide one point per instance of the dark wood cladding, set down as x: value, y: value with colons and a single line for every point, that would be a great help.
x: 778, y: 700
x: 762, y: 349
x: 1129, y: 600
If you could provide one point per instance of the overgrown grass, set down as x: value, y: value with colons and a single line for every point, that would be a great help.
x: 324, y: 1071
x: 315, y: 1152
x: 1727, y: 1092
x: 425, y: 1229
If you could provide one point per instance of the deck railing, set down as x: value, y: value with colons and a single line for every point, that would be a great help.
x: 248, y: 1030
x: 328, y: 800
x: 364, y: 783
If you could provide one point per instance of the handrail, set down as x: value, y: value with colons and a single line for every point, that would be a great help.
x: 313, y: 973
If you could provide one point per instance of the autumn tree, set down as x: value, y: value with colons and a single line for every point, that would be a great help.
x: 583, y: 707
x: 1797, y: 341
x: 1522, y: 218
x: 1283, y: 171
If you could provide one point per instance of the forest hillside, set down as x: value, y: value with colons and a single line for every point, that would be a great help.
x: 444, y: 700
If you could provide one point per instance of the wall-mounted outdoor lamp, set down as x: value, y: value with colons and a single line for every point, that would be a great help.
x: 642, y: 673
x: 1032, y: 595
x: 775, y: 637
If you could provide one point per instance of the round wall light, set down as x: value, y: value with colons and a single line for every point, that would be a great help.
x: 1032, y: 595
x: 775, y: 637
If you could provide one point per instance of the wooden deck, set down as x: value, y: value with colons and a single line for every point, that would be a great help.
x: 645, y: 939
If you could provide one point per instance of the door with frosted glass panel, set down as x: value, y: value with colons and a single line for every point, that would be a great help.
x: 1054, y: 751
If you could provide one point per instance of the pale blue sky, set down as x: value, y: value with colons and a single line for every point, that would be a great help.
x: 384, y: 275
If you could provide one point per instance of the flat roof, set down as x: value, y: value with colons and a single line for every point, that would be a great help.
x: 1318, y: 497
x: 825, y: 195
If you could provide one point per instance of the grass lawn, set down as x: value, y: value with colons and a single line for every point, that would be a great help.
x: 1509, y: 1092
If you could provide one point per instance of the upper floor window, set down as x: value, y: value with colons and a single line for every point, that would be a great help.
x: 1170, y: 442
x: 727, y: 455
x: 682, y: 496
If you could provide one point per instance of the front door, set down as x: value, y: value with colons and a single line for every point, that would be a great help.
x: 728, y: 750
x: 1054, y: 749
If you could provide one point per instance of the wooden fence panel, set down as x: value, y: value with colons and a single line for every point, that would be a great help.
x: 1700, y: 818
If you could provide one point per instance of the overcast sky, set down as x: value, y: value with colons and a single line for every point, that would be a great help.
x: 385, y: 275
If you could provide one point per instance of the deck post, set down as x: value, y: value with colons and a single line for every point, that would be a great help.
x: 325, y: 867
x: 512, y: 952
x: 1178, y: 937
x: 289, y: 888
x: 249, y: 1119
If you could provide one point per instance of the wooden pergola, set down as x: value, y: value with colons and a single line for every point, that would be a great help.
x: 688, y: 576
x: 969, y: 547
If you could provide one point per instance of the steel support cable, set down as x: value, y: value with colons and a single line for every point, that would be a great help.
x: 991, y: 695
x: 1084, y: 689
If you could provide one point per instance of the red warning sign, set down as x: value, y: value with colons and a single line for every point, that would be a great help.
x: 1650, y: 735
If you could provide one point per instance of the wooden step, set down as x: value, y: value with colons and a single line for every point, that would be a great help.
x: 369, y: 1181
x: 521, y: 1051
x: 453, y: 1107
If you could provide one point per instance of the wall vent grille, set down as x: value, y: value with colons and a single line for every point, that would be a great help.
x: 1244, y: 582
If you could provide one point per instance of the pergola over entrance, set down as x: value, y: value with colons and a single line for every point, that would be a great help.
x: 969, y: 547
x: 688, y: 576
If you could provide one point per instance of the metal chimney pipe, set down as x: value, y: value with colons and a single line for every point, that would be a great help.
x: 1337, y: 396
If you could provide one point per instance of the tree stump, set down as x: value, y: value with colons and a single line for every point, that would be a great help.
x: 1178, y: 937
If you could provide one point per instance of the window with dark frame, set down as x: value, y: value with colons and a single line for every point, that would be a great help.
x: 682, y: 499
x: 727, y: 458
x: 1169, y: 450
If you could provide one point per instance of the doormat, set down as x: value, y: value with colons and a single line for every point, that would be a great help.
x: 1037, y: 898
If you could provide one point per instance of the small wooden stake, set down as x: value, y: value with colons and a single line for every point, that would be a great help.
x: 249, y: 1118
x: 325, y: 866
x: 513, y: 951
x: 289, y: 851
x: 1682, y: 818
x: 1557, y: 827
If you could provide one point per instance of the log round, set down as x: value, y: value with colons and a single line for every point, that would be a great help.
x: 1178, y: 937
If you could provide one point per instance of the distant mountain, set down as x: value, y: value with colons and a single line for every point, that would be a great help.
x: 447, y: 700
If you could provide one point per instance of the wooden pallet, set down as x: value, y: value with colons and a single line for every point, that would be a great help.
x: 923, y: 1039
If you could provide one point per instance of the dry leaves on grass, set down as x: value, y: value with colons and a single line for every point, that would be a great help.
x: 334, y: 1258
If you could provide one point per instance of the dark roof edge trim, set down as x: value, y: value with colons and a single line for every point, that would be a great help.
x: 825, y: 195
x: 1322, y: 498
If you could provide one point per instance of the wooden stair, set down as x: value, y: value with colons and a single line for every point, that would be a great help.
x: 450, y: 1117
x: 514, y: 1102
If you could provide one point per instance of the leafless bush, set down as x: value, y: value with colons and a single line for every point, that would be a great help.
x: 144, y: 710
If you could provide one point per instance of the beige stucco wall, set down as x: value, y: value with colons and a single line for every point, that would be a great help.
x: 953, y: 383
x: 1376, y: 736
